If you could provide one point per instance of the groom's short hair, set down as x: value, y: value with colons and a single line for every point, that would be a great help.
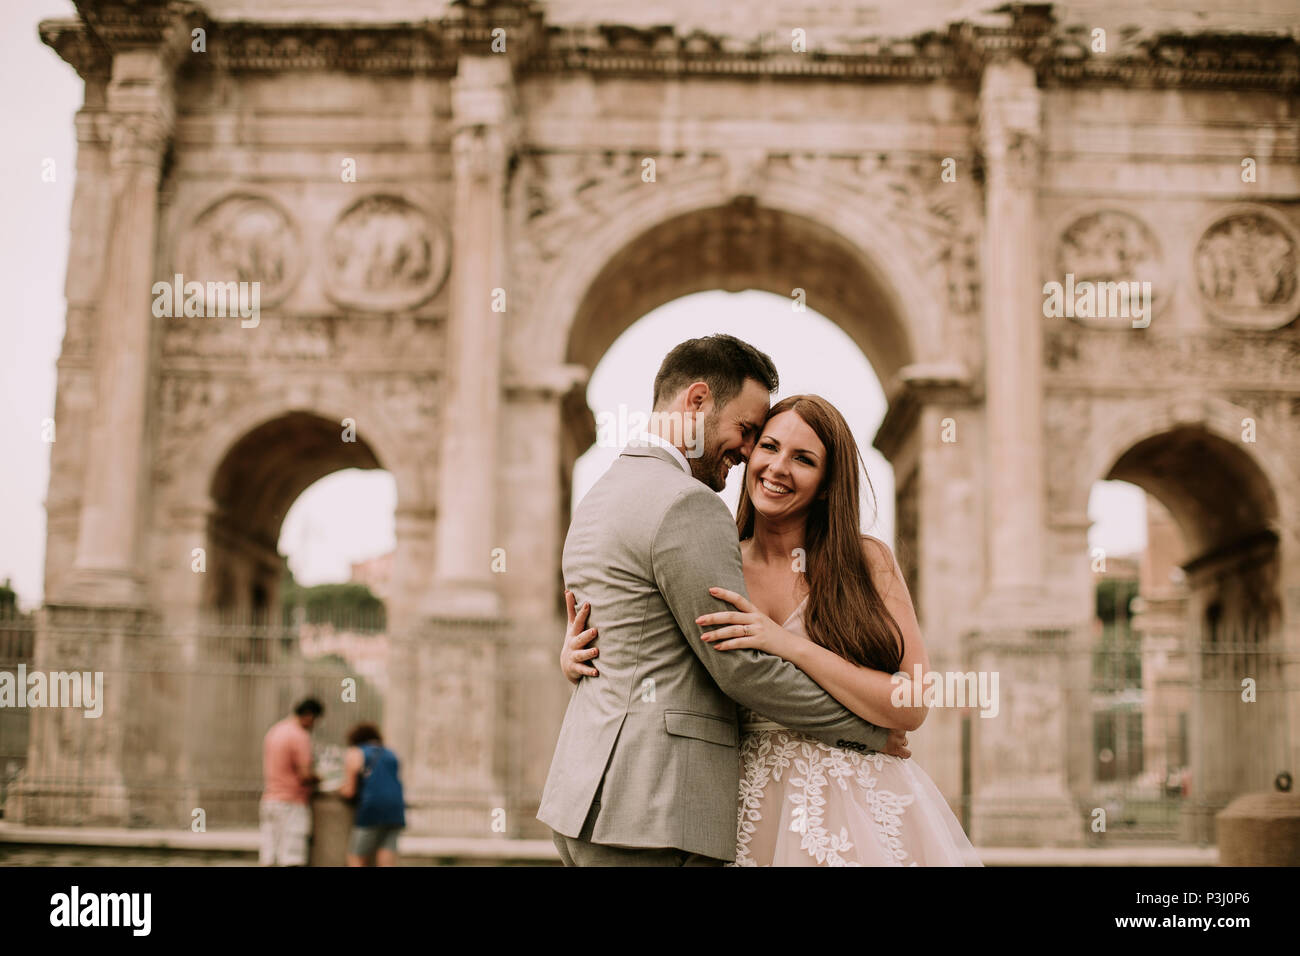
x: 723, y: 362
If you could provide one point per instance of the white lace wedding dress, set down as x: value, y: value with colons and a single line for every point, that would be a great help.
x: 804, y: 803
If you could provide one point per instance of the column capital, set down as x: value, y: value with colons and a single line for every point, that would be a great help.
x: 1010, y: 129
x: 139, y: 139
x: 480, y: 153
x: 484, y: 109
x: 935, y: 383
x: 546, y: 383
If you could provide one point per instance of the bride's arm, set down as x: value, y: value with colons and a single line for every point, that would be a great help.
x: 871, y: 693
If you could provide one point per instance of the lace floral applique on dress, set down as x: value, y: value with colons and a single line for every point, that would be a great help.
x: 805, y: 803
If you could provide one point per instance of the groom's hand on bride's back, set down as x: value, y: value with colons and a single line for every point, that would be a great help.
x: 575, y: 653
x: 897, y: 745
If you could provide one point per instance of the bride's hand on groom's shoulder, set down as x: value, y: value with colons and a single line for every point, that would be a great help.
x: 746, y: 626
x: 575, y: 652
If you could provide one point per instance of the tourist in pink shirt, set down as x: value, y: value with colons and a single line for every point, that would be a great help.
x: 289, y: 780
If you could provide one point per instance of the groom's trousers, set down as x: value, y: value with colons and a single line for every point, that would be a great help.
x: 580, y: 851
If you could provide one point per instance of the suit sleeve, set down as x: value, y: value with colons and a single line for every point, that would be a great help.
x: 694, y: 549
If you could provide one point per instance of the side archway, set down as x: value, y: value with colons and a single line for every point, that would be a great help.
x: 252, y: 489
x: 1211, y: 658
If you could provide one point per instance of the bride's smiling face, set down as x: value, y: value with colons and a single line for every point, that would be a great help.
x: 786, y: 468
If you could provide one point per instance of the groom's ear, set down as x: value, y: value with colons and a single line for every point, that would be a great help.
x: 697, y: 395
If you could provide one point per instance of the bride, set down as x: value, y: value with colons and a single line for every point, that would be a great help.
x: 848, y: 623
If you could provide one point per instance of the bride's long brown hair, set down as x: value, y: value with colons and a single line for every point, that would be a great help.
x: 845, y: 612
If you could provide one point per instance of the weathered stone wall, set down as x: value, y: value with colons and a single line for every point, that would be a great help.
x: 451, y: 298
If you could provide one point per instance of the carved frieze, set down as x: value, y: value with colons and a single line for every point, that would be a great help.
x: 1059, y: 51
x: 385, y: 254
x: 940, y: 222
x: 1245, y: 268
x: 1260, y: 360
x: 382, y: 341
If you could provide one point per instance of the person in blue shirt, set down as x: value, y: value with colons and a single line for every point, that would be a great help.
x: 370, y: 780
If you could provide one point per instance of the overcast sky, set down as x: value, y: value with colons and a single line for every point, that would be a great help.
x: 348, y: 516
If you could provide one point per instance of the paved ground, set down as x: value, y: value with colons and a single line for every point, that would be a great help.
x: 66, y: 846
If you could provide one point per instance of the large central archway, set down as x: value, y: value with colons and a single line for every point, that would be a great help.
x: 738, y: 246
x: 732, y: 246
x: 660, y: 248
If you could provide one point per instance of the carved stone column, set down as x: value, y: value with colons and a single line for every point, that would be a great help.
x: 484, y: 111
x: 1017, y: 760
x: 1010, y: 133
x: 140, y: 116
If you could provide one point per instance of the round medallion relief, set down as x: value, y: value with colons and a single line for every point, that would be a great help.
x: 1109, y: 268
x: 1245, y: 267
x: 243, y: 238
x: 384, y: 253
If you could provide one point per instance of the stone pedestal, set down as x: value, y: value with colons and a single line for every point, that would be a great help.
x: 1260, y: 829
x: 446, y: 721
x: 97, y: 771
x: 1019, y: 773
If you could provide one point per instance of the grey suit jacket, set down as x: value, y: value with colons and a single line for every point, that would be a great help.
x: 654, y: 739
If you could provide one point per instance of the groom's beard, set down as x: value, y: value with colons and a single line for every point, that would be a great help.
x: 712, y: 467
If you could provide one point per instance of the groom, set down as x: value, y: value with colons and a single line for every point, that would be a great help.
x: 646, y: 770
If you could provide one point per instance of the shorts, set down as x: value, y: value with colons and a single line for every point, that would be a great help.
x: 285, y: 829
x: 366, y: 841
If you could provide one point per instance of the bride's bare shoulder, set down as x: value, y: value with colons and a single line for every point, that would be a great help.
x: 880, y: 559
x: 877, y: 551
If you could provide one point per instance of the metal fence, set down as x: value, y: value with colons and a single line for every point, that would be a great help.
x: 1158, y: 734
x: 1180, y: 727
x: 179, y: 740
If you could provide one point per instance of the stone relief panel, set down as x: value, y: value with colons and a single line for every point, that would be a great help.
x: 406, y: 403
x: 385, y: 254
x: 1245, y: 268
x: 1107, y: 246
x: 566, y: 193
x: 1067, y: 423
x: 1103, y: 363
x: 243, y: 238
x: 940, y: 222
x: 391, y: 341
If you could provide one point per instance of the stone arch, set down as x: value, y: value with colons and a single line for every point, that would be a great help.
x: 206, y: 452
x: 259, y: 477
x: 1225, y: 623
x: 866, y: 272
x: 1227, y: 499
x: 187, y: 508
x: 1216, y: 424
